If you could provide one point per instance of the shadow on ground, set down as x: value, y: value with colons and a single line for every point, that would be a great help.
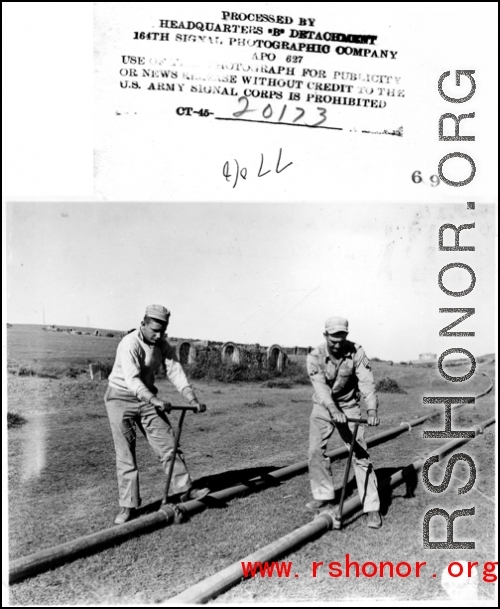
x: 386, y: 494
x: 224, y: 480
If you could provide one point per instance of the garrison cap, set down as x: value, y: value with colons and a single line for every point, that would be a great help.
x: 336, y: 324
x: 158, y: 312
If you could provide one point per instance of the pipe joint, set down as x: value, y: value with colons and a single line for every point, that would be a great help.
x: 174, y: 514
x: 329, y: 516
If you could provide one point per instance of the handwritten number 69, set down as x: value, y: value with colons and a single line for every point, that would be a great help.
x: 417, y: 178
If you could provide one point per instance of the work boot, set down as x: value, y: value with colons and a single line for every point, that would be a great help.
x: 194, y: 494
x: 125, y: 514
x: 374, y: 521
x: 317, y: 504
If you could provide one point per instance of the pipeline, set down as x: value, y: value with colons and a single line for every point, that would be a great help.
x: 488, y: 389
x: 222, y: 581
x: 39, y: 562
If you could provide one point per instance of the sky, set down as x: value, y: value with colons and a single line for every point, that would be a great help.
x: 266, y: 273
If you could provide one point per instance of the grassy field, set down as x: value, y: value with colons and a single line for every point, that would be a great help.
x: 62, y: 485
x: 56, y: 353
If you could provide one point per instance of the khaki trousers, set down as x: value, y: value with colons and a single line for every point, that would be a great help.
x: 320, y: 471
x: 124, y: 416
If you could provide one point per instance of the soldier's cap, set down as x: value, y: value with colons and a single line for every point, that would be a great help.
x: 158, y: 312
x: 336, y: 324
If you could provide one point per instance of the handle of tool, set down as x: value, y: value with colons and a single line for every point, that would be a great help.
x: 347, y: 468
x: 362, y: 421
x: 184, y: 408
x: 174, y: 454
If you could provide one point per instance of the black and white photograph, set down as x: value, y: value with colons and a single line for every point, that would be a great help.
x: 250, y: 364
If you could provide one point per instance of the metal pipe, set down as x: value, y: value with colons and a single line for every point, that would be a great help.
x: 222, y: 581
x: 38, y: 562
x: 174, y: 455
x: 347, y: 469
x: 488, y: 389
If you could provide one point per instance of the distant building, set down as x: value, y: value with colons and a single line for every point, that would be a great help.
x: 427, y: 357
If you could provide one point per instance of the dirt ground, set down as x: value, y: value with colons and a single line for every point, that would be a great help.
x: 62, y: 484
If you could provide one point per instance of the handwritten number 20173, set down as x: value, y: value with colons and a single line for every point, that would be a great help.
x: 268, y: 112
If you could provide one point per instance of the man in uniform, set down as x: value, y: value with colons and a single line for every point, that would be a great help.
x: 131, y: 400
x: 340, y: 373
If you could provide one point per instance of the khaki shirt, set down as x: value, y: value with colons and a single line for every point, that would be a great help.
x: 136, y: 363
x: 342, y: 382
